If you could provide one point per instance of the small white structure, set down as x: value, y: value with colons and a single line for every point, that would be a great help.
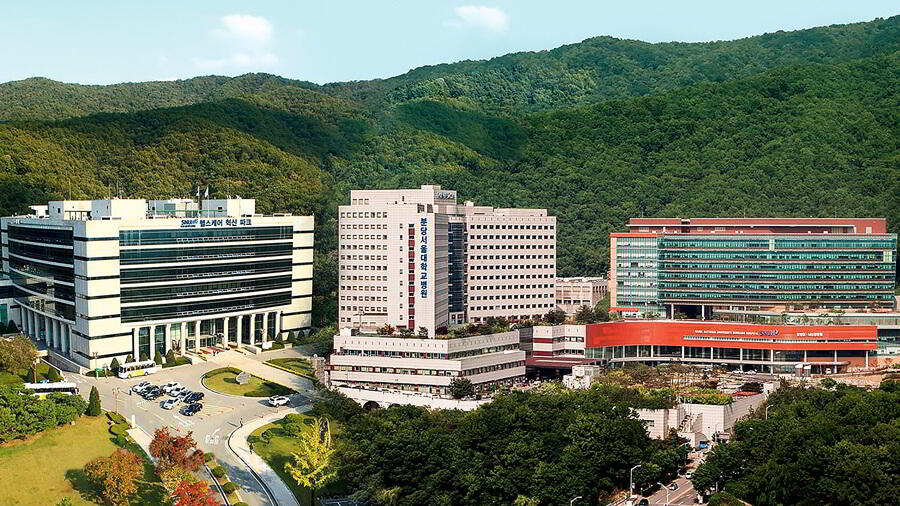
x: 582, y: 377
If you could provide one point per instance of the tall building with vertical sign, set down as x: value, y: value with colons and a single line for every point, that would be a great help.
x: 415, y: 259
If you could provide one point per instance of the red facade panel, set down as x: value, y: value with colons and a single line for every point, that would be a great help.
x: 732, y: 335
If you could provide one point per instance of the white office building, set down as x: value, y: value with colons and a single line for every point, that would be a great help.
x: 414, y: 258
x: 572, y: 293
x: 103, y: 279
x: 426, y: 366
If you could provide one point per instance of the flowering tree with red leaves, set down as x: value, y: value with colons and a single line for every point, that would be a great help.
x: 195, y: 494
x: 175, y: 451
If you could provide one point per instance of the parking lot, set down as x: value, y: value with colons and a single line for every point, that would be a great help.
x: 211, y: 427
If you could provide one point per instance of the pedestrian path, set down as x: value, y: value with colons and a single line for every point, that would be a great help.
x: 237, y: 442
x: 142, y: 439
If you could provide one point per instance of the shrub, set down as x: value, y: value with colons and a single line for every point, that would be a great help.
x: 208, y: 457
x: 11, y: 327
x: 229, y: 488
x: 242, y: 503
x: 114, y: 365
x: 53, y: 375
x: 157, y: 358
x: 170, y: 357
x: 295, y: 418
x: 144, y: 357
x: 292, y: 429
x: 93, y: 408
x: 218, y: 472
x: 129, y: 359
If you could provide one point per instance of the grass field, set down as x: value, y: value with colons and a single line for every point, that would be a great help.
x: 276, y: 449
x: 298, y: 366
x: 224, y: 380
x: 48, y: 467
x: 7, y: 378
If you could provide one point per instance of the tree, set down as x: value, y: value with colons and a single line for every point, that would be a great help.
x: 174, y: 476
x: 196, y: 493
x: 555, y: 316
x: 423, y: 332
x: 94, y: 403
x: 53, y: 375
x: 65, y: 501
x: 170, y: 358
x: 157, y: 359
x: 585, y: 315
x: 129, y: 359
x: 11, y: 327
x: 175, y: 451
x: 115, y: 475
x: 114, y: 364
x: 17, y: 354
x: 312, y: 467
x: 461, y: 387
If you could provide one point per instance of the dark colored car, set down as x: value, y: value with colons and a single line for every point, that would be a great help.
x: 192, y: 409
x: 152, y: 393
x: 644, y: 502
x: 194, y: 397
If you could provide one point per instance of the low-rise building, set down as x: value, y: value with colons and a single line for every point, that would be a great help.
x: 422, y: 365
x: 572, y: 293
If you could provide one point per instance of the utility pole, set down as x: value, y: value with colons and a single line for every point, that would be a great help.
x: 631, y: 479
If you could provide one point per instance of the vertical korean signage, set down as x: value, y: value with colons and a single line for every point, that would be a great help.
x: 423, y: 257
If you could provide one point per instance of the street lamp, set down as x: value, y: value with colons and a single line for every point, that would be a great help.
x: 767, y: 411
x: 631, y: 479
x: 667, y: 492
x: 573, y: 500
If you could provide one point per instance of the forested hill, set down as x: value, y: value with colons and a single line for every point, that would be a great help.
x: 807, y: 139
x: 597, y: 69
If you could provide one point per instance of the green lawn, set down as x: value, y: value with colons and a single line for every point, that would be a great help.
x: 179, y: 360
x: 276, y: 449
x: 224, y: 380
x: 7, y: 378
x: 48, y: 467
x: 298, y: 366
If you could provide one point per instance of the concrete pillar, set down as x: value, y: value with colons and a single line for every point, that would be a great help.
x: 265, y: 327
x: 867, y: 359
x: 57, y: 329
x: 702, y: 312
x: 183, y: 337
x: 682, y: 353
x: 136, y: 345
x: 65, y: 339
x: 240, y: 330
x: 197, y: 335
x: 167, y: 338
x: 225, y: 332
x: 278, y: 323
x: 24, y: 322
x: 48, y: 331
x: 804, y: 355
x: 152, y: 354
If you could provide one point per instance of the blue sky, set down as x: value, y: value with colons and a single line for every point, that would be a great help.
x: 101, y: 42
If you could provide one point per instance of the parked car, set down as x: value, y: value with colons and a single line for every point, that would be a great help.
x: 643, y: 502
x: 169, y: 403
x: 751, y: 371
x: 184, y: 394
x: 170, y: 385
x: 192, y: 409
x: 688, y: 475
x: 140, y: 387
x: 279, y: 400
x: 737, y: 371
x: 152, y: 394
x: 175, y: 392
x: 673, y: 486
x: 194, y: 397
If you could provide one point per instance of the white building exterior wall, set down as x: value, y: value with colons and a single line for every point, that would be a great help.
x: 395, y: 263
x: 97, y: 333
x: 572, y: 293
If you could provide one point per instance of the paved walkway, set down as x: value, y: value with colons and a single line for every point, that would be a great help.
x: 278, y: 491
x: 267, y: 372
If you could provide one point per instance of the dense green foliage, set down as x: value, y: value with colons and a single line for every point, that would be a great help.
x: 550, y: 446
x: 22, y: 415
x: 792, y: 123
x: 817, y: 447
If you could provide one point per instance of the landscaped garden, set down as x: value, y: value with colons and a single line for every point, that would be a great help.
x: 298, y: 366
x: 224, y: 381
x: 48, y: 467
x: 24, y: 375
x: 276, y: 442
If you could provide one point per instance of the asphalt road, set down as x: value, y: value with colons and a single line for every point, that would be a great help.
x: 211, y: 427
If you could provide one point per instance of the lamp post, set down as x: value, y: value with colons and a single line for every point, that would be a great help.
x: 573, y: 500
x: 667, y: 492
x: 767, y: 411
x: 631, y: 479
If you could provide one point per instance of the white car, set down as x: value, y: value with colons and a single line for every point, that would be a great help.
x: 737, y: 371
x: 170, y: 385
x: 140, y: 387
x: 169, y: 403
x: 751, y: 371
x: 176, y: 391
x: 279, y: 400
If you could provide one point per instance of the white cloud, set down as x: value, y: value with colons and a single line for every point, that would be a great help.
x: 250, y: 31
x: 490, y: 19
x: 247, y: 39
